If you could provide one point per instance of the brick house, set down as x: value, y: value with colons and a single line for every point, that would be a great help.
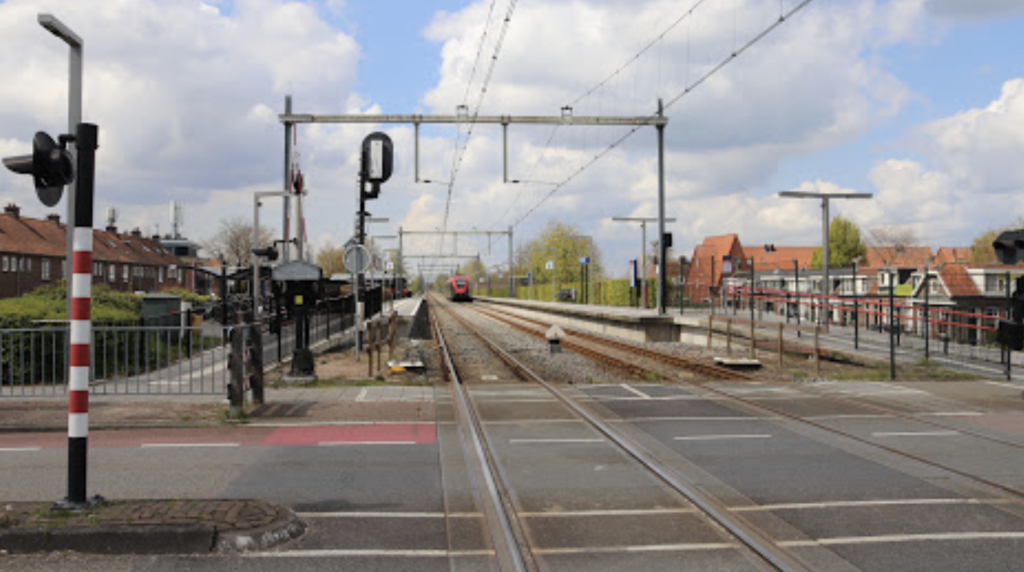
x: 32, y: 254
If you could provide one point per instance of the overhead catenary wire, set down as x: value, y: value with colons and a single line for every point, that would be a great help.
x: 783, y: 17
x: 460, y: 155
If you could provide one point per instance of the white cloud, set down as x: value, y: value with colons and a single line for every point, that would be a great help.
x: 981, y: 148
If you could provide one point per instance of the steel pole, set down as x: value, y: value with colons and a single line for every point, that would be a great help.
x: 286, y: 230
x: 661, y: 211
x: 643, y: 264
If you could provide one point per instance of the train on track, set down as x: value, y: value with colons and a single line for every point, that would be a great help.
x: 458, y: 289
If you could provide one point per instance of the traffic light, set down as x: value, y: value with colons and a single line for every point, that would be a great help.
x: 270, y: 253
x: 1009, y: 246
x: 50, y: 166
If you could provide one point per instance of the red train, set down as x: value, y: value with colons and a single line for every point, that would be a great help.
x: 458, y: 289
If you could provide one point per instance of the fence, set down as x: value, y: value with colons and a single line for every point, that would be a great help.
x: 927, y: 331
x: 150, y: 360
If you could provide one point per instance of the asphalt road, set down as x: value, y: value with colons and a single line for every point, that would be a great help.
x: 396, y: 496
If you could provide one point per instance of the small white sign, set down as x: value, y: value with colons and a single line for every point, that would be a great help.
x: 550, y: 265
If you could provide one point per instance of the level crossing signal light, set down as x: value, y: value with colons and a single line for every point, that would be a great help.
x: 270, y: 253
x: 1009, y: 247
x: 49, y: 164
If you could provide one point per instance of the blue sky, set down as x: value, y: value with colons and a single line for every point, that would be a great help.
x: 918, y: 101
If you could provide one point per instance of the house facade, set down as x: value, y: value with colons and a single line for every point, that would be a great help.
x: 33, y: 251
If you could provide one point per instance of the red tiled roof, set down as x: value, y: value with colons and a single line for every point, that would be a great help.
x: 958, y: 282
x: 953, y: 254
x: 782, y: 259
x: 909, y: 257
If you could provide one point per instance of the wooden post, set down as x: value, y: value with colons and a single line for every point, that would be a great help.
x: 817, y: 356
x: 728, y: 336
x: 753, y: 342
x: 369, y: 350
x: 710, y: 330
x: 391, y: 336
x: 782, y: 347
x: 380, y: 342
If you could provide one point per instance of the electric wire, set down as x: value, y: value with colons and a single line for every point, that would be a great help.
x: 476, y: 112
x: 783, y: 17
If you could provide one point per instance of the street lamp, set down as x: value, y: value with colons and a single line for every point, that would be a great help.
x: 643, y: 252
x: 825, y: 198
x: 75, y: 43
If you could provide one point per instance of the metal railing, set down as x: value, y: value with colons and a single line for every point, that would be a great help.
x: 148, y: 360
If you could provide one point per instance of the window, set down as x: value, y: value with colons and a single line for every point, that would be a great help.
x: 45, y: 269
x: 127, y: 273
x: 28, y: 263
x: 160, y: 274
x: 6, y: 263
x: 112, y: 273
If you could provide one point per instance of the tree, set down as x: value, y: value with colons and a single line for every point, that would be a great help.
x: 331, y: 259
x: 893, y: 241
x: 562, y: 244
x: 844, y: 244
x: 232, y: 242
x: 982, y: 251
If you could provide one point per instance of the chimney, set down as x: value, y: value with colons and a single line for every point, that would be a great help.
x: 137, y: 233
x: 13, y: 210
x: 54, y: 218
x: 111, y: 229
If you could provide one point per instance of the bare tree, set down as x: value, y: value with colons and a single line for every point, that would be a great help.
x: 232, y: 242
x: 892, y: 241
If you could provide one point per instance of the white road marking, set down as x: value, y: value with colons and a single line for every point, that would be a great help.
x: 521, y: 441
x: 952, y: 414
x: 869, y: 503
x: 938, y: 536
x: 191, y: 445
x: 384, y: 553
x: 635, y: 391
x: 362, y: 394
x: 640, y: 548
x: 374, y: 514
x: 1002, y: 384
x: 848, y: 416
x: 19, y: 449
x: 721, y: 437
x: 915, y: 433
x: 607, y: 512
x: 646, y: 419
x: 343, y: 443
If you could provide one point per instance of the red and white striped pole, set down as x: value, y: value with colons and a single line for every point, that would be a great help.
x: 86, y: 142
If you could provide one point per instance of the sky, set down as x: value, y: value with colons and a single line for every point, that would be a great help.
x: 919, y: 102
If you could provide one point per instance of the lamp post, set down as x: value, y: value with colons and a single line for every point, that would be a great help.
x: 643, y: 251
x: 589, y: 277
x: 75, y: 60
x: 825, y: 198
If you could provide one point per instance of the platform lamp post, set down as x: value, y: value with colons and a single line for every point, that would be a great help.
x: 856, y: 307
x: 825, y: 198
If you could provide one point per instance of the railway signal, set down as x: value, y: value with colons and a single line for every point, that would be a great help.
x: 49, y: 164
x: 377, y: 160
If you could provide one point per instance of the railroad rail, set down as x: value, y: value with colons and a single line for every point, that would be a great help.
x: 746, y: 535
x: 1008, y: 491
x: 702, y: 369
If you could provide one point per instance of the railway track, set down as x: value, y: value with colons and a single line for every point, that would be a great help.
x: 596, y: 348
x: 514, y: 548
x: 1011, y: 492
